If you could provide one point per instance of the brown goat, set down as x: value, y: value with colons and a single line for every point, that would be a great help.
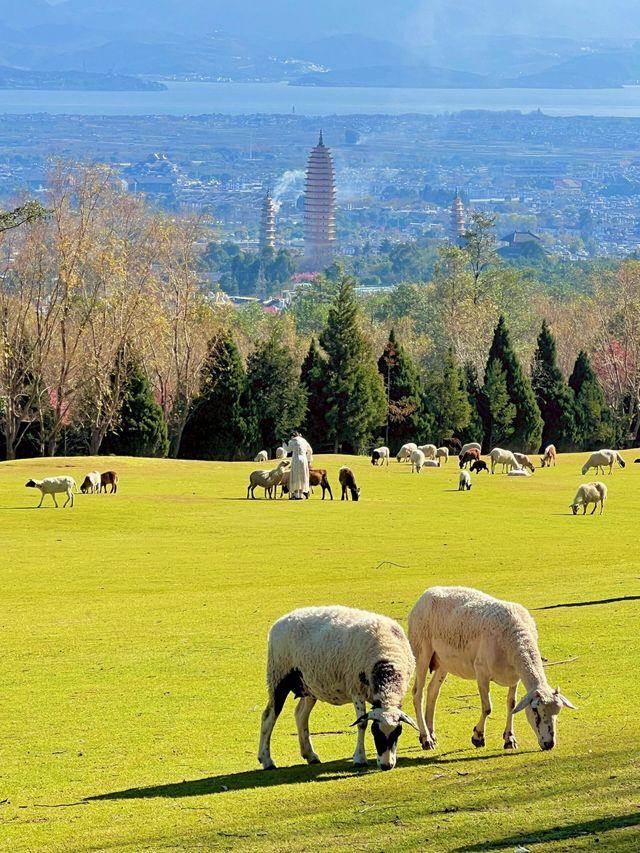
x: 469, y: 456
x: 109, y: 478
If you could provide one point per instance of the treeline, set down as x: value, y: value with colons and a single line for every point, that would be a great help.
x: 112, y: 341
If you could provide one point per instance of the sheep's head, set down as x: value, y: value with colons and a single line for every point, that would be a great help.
x: 575, y: 508
x: 542, y: 709
x: 386, y: 728
x: 31, y: 484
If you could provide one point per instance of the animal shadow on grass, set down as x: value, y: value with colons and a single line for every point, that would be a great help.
x: 557, y: 833
x: 292, y: 775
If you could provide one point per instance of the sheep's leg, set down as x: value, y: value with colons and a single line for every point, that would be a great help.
x: 433, y: 691
x: 303, y: 709
x: 360, y: 755
x: 422, y: 667
x: 54, y: 499
x: 509, y: 738
x: 477, y: 736
x: 595, y: 507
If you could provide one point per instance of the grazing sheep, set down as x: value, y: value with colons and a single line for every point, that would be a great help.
x: 479, y: 465
x: 430, y: 450
x: 600, y: 459
x: 469, y: 456
x: 263, y: 456
x: 454, y: 445
x: 417, y: 461
x: 504, y: 458
x: 91, y: 483
x: 525, y: 462
x: 339, y: 655
x: 109, y: 478
x: 266, y: 479
x: 317, y: 477
x: 281, y: 453
x: 549, y: 456
x: 474, y: 636
x: 442, y: 453
x: 347, y: 480
x: 54, y: 486
x: 404, y: 454
x: 470, y: 445
x: 464, y: 481
x: 590, y: 493
x: 379, y: 455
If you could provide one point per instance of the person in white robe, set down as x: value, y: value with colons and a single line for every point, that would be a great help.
x: 301, y: 458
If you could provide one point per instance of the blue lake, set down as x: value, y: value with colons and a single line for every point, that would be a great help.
x: 246, y: 98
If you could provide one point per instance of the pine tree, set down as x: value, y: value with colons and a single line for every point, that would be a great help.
x: 141, y: 429
x: 594, y: 425
x: 447, y: 399
x: 274, y: 399
x: 501, y: 412
x: 475, y: 429
x: 216, y: 426
x: 355, y: 392
x: 313, y: 379
x: 553, y: 395
x: 527, y: 424
x: 406, y: 416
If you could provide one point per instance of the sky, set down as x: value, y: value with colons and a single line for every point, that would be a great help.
x: 404, y: 21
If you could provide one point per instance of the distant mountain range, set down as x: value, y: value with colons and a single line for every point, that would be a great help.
x: 98, y: 44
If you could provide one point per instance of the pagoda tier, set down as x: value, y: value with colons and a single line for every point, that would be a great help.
x: 319, y: 206
x: 268, y: 223
x: 457, y: 219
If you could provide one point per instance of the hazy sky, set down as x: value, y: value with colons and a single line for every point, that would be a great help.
x: 409, y: 21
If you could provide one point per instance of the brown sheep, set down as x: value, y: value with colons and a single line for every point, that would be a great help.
x: 348, y: 483
x: 109, y: 478
x: 469, y: 456
x: 317, y: 477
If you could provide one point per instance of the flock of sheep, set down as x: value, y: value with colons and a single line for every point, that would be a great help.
x: 94, y: 482
x: 340, y: 655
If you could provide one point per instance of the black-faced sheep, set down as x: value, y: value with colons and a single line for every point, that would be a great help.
x: 54, y: 486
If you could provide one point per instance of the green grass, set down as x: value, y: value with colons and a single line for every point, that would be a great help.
x: 133, y: 653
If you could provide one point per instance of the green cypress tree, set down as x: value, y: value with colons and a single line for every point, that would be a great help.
x: 274, y: 399
x: 553, y: 396
x: 446, y: 398
x: 500, y: 411
x: 527, y: 424
x: 313, y: 379
x: 406, y: 417
x: 475, y: 429
x: 216, y: 425
x: 595, y: 426
x: 141, y: 428
x: 355, y: 393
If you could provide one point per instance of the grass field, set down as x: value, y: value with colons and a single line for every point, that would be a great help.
x: 133, y: 655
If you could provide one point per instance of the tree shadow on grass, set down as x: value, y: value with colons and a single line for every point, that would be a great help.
x: 556, y: 833
x: 295, y: 774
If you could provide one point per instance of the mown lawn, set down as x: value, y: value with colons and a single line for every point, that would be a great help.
x: 132, y: 661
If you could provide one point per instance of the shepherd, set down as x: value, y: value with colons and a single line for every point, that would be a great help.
x: 301, y: 458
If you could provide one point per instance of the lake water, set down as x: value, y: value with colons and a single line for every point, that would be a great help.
x: 245, y: 98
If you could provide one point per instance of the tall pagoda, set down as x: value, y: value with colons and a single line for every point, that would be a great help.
x: 268, y: 223
x: 319, y: 207
x: 457, y: 219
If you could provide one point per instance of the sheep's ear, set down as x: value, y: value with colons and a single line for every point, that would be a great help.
x: 405, y: 718
x: 362, y: 719
x: 563, y: 700
x: 524, y: 702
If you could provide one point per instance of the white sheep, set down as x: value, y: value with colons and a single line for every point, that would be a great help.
x: 504, y: 458
x: 548, y: 456
x: 267, y: 479
x: 281, y: 453
x: 474, y: 636
x: 518, y: 472
x: 263, y: 456
x: 430, y: 450
x: 590, y: 493
x: 417, y: 461
x: 379, y: 454
x: 431, y: 463
x: 525, y: 462
x: 406, y: 450
x: 464, y: 481
x: 602, y: 459
x: 339, y: 655
x: 442, y: 453
x: 54, y: 486
x: 468, y: 446
x: 91, y: 483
